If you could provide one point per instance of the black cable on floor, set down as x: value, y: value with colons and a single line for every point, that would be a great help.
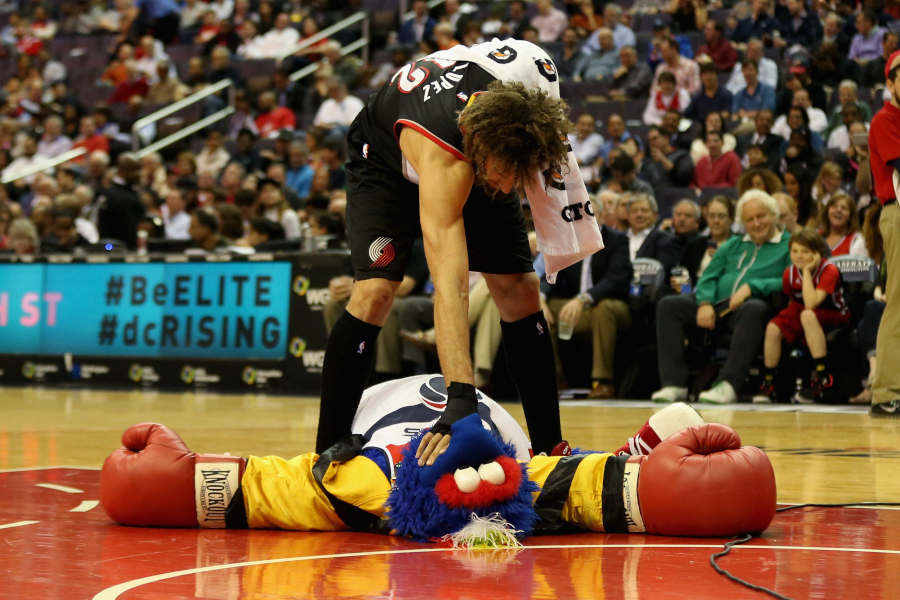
x: 747, y: 537
x: 736, y: 579
x: 841, y: 505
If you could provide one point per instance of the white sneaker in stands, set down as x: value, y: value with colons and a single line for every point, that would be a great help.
x: 670, y: 393
x: 721, y: 393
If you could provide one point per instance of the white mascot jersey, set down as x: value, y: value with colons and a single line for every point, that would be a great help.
x: 390, y: 414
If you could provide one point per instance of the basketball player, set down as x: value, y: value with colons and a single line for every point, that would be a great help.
x: 439, y: 151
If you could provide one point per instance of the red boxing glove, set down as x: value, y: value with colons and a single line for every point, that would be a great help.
x: 700, y: 482
x: 154, y: 479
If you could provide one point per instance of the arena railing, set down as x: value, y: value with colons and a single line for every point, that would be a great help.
x: 43, y: 165
x: 311, y: 68
x: 164, y: 112
x: 339, y: 26
x: 185, y: 132
x: 175, y: 107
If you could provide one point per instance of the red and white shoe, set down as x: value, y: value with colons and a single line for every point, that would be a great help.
x: 673, y: 419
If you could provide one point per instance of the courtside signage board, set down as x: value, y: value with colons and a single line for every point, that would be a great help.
x: 208, y: 310
x: 218, y: 321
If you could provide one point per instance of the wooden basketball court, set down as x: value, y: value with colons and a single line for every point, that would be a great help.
x: 58, y: 543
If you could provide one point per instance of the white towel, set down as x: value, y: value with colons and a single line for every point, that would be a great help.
x: 563, y: 215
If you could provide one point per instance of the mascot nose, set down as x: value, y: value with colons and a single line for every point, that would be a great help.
x: 468, y: 479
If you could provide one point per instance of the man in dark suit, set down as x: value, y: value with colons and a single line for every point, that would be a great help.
x: 770, y: 142
x: 120, y: 204
x: 590, y: 295
x: 645, y: 239
x: 420, y: 27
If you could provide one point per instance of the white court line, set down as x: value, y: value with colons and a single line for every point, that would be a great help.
x: 21, y: 469
x: 85, y: 506
x: 17, y: 524
x: 60, y: 488
x: 737, y: 407
x: 113, y: 592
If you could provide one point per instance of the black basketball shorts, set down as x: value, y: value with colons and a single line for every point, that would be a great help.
x: 383, y: 221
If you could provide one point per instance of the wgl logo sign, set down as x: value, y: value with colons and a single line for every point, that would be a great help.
x: 316, y: 298
x: 313, y: 360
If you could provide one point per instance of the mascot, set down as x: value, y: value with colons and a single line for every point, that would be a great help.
x: 676, y: 476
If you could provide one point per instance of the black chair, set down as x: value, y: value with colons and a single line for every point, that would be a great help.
x: 668, y: 197
x: 636, y: 368
x: 167, y: 246
x: 708, y: 193
x: 105, y: 246
x: 280, y: 246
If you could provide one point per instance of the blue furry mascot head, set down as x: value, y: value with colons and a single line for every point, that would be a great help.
x: 476, y: 478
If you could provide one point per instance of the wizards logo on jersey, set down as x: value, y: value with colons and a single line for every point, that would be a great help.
x: 546, y: 68
x: 433, y: 393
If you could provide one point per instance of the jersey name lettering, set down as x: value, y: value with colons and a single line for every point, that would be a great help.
x: 412, y: 75
x: 445, y: 82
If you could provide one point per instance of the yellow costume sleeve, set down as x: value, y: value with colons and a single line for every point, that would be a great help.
x: 286, y: 494
x: 584, y: 491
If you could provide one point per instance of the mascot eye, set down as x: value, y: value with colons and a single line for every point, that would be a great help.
x: 467, y: 480
x: 492, y: 472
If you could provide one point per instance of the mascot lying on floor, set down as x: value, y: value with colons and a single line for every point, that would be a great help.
x: 676, y: 476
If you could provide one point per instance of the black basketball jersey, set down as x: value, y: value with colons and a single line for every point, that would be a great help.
x: 426, y: 95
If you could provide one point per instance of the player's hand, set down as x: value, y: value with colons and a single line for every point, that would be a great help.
x: 432, y: 446
x: 706, y: 317
x: 813, y: 262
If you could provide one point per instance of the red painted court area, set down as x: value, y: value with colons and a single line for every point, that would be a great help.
x: 57, y: 543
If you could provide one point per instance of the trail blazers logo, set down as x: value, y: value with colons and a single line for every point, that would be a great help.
x: 381, y: 252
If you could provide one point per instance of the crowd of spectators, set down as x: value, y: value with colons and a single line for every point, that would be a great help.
x: 691, y: 104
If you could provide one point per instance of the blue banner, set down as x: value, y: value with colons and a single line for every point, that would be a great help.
x: 204, y: 310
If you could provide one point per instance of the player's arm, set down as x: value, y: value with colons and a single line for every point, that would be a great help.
x: 444, y: 185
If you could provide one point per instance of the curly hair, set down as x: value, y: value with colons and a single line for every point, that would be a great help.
x: 520, y: 127
x: 745, y: 181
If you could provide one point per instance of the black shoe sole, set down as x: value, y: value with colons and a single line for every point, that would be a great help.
x: 878, y: 411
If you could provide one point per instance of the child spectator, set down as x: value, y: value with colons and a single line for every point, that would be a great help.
x: 813, y: 284
x: 667, y: 96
